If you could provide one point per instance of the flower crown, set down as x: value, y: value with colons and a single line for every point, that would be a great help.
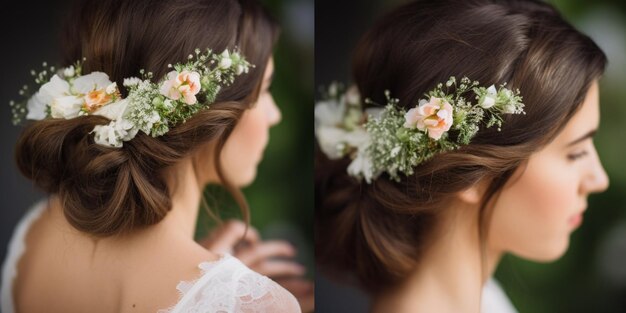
x: 394, y: 140
x: 150, y: 107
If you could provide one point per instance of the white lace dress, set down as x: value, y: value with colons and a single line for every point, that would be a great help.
x: 494, y: 300
x: 225, y: 285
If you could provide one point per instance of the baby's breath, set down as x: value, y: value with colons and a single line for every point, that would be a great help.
x: 394, y: 148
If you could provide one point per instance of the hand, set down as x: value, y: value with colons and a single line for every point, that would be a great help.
x: 228, y: 235
x: 272, y: 258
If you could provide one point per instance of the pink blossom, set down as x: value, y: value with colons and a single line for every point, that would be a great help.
x: 184, y: 84
x: 434, y: 116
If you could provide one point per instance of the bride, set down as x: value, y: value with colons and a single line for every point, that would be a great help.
x: 467, y: 135
x: 164, y: 98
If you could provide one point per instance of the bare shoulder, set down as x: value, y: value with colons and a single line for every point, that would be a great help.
x: 153, y: 282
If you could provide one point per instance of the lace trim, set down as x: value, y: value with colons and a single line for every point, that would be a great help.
x: 183, y: 286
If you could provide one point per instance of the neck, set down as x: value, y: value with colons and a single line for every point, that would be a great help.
x: 451, y: 273
x: 185, y: 192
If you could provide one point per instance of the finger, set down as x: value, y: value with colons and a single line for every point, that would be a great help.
x: 265, y: 249
x: 224, y: 238
x: 279, y: 268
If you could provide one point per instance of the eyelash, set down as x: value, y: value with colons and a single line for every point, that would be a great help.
x: 576, y: 156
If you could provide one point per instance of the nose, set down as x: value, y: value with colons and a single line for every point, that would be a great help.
x: 273, y: 113
x: 596, y: 179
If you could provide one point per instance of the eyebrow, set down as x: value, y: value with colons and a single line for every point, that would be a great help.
x: 584, y: 137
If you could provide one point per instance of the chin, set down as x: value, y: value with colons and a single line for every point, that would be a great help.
x: 246, y: 178
x: 546, y: 253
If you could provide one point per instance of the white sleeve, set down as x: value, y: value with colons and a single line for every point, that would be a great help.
x: 234, y: 288
x: 494, y: 300
x: 257, y: 293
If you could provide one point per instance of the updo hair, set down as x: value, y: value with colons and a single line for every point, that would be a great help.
x: 109, y: 191
x: 375, y: 234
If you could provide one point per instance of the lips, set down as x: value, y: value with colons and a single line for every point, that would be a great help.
x: 576, y: 219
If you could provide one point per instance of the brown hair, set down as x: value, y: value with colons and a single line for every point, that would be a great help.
x: 107, y: 191
x: 378, y: 231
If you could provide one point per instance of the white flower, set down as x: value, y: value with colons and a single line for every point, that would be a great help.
x: 167, y: 103
x: 353, y: 96
x: 66, y: 107
x: 90, y: 82
x: 333, y: 89
x: 69, y: 71
x: 132, y: 81
x: 331, y: 139
x: 329, y: 112
x: 56, y: 94
x: 509, y: 109
x: 55, y: 88
x: 362, y: 165
x: 225, y: 60
x: 489, y: 99
x: 105, y: 135
x: 114, y: 133
x: 36, y: 108
x: 241, y: 69
x: 113, y: 111
x: 111, y: 88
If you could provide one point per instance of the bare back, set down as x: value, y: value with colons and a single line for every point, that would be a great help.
x: 63, y: 270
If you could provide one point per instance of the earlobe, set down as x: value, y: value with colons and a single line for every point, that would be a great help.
x: 473, y: 194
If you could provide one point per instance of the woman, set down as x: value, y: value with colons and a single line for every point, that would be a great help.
x: 417, y: 201
x: 125, y: 174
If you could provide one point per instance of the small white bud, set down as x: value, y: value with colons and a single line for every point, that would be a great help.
x: 111, y: 88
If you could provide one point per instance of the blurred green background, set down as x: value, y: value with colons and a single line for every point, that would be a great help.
x: 591, y: 276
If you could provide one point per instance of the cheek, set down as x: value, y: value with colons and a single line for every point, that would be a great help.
x: 244, y: 148
x: 530, y: 218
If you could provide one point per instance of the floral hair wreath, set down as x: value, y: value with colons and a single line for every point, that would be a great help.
x: 394, y: 140
x: 150, y: 107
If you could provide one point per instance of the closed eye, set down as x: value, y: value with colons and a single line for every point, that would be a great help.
x: 577, y: 155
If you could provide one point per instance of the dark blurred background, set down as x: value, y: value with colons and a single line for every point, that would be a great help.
x: 591, y: 277
x: 281, y: 198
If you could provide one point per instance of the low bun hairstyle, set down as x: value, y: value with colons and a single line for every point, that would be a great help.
x: 376, y: 233
x: 107, y: 191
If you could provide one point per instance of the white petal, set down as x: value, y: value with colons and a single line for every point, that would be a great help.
x: 329, y: 138
x: 361, y: 166
x: 329, y: 113
x: 488, y: 102
x: 113, y: 111
x: 36, y: 108
x: 225, y: 63
x: 105, y: 135
x: 111, y: 88
x: 55, y: 88
x: 66, y: 107
x: 90, y: 82
x: 69, y: 71
x: 492, y: 90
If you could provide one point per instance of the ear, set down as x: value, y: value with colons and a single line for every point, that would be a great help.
x: 473, y: 194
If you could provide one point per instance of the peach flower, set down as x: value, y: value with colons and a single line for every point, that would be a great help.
x: 96, y: 98
x: 184, y: 84
x: 434, y: 116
